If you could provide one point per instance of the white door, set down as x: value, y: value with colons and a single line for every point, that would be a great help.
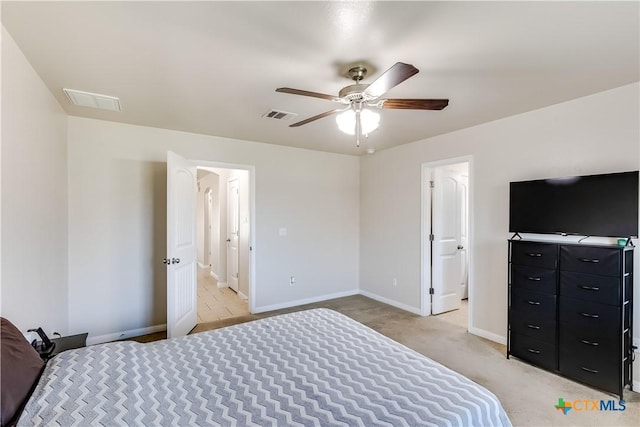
x: 446, y: 259
x: 233, y: 233
x: 463, y: 195
x: 182, y: 252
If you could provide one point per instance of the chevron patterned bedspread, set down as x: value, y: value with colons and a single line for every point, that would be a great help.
x: 310, y: 368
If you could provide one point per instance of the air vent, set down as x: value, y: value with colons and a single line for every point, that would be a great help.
x: 278, y: 115
x: 93, y: 100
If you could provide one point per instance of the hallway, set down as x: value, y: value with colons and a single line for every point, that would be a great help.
x: 217, y: 303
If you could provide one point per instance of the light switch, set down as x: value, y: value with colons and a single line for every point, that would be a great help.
x: 282, y: 232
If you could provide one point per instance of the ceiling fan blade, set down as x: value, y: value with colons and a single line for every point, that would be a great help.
x: 307, y: 93
x: 415, y: 104
x: 319, y: 116
x: 395, y: 75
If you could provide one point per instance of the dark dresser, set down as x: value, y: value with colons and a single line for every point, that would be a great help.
x: 571, y: 309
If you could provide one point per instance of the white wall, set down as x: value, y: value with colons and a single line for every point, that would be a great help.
x: 34, y: 197
x: 595, y: 134
x: 223, y: 176
x: 210, y: 181
x: 200, y: 202
x: 117, y: 216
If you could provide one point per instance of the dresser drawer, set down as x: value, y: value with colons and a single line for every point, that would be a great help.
x: 539, y: 353
x: 590, y: 260
x: 593, y: 346
x: 534, y: 254
x: 534, y: 279
x: 542, y: 305
x: 605, y: 376
x: 587, y: 315
x: 532, y: 325
x: 602, y: 289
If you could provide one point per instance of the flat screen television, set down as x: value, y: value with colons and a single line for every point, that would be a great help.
x: 594, y: 205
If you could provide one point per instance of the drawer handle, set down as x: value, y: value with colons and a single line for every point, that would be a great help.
x: 535, y: 255
x: 534, y: 302
x: 531, y: 350
x: 592, y: 261
x: 592, y: 316
x: 591, y: 371
x: 589, y: 288
x: 595, y: 344
x: 533, y: 327
x: 534, y: 279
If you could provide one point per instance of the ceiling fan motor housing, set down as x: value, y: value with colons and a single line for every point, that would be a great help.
x: 353, y: 92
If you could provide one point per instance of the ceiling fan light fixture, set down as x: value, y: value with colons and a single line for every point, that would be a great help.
x: 370, y: 120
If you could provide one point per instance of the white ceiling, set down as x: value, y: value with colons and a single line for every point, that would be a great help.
x: 212, y: 67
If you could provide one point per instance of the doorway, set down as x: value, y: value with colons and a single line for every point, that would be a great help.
x: 186, y: 253
x: 223, y: 205
x: 447, y: 241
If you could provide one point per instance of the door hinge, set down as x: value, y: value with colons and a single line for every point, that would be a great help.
x: 431, y: 184
x: 431, y: 292
x: 431, y: 237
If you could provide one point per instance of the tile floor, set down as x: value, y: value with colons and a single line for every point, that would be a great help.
x: 217, y: 303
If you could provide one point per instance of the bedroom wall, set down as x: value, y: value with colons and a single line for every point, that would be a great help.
x: 117, y: 217
x: 34, y: 198
x: 590, y: 135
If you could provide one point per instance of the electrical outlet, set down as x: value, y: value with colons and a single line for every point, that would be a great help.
x: 292, y: 280
x: 395, y: 282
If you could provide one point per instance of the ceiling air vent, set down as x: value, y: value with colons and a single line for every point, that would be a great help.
x: 278, y: 115
x: 93, y: 100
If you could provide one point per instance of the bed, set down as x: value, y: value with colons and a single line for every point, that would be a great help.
x: 309, y: 368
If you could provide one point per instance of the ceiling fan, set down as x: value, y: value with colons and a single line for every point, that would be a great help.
x: 357, y: 99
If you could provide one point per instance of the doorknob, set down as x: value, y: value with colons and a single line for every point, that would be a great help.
x: 460, y: 247
x: 175, y: 260
x: 166, y: 261
x: 228, y: 240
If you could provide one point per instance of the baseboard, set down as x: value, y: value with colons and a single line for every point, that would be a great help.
x: 242, y: 296
x: 126, y: 334
x: 201, y: 265
x: 312, y: 300
x: 489, y: 335
x: 405, y: 307
x: 223, y: 285
x: 214, y: 275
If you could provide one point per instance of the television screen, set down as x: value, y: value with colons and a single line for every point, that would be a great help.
x: 593, y: 205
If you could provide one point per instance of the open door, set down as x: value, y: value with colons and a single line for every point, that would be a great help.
x: 233, y: 231
x: 463, y: 196
x: 446, y: 243
x: 182, y: 255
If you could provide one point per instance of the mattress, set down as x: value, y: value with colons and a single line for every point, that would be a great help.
x: 309, y: 368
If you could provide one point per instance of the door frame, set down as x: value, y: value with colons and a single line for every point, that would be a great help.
x: 251, y: 169
x: 425, y: 247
